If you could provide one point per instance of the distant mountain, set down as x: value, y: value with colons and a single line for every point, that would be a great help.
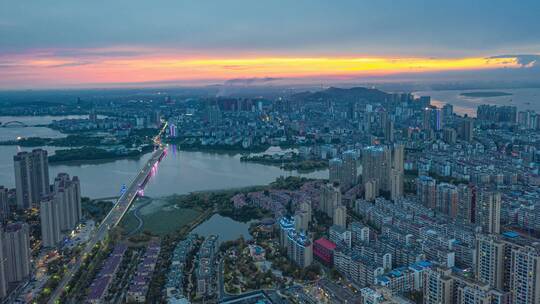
x: 338, y: 94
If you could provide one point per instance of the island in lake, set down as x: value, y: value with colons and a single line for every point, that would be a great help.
x: 484, y: 94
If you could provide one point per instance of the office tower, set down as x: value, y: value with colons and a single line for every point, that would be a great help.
x: 396, y: 185
x: 340, y: 216
x: 488, y: 211
x: 335, y: 167
x: 490, y: 261
x: 4, y: 204
x: 31, y: 177
x: 17, y: 251
x: 447, y: 199
x: 300, y: 248
x: 3, y: 274
x: 371, y: 190
x: 350, y: 172
x: 67, y: 194
x: 449, y: 136
x: 525, y: 275
x: 466, y: 204
x: 426, y: 191
x: 50, y: 222
x: 330, y: 199
x: 467, y: 129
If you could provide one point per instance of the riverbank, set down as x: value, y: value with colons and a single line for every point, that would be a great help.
x: 91, y: 154
x: 287, y: 162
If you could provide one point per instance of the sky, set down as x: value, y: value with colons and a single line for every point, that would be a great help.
x: 99, y: 43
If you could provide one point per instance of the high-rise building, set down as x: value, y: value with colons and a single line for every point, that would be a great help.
x: 378, y: 163
x: 488, y: 211
x: 31, y: 177
x: 67, y: 194
x: 376, y: 166
x: 397, y: 154
x: 359, y: 233
x: 389, y: 131
x: 426, y: 190
x: 286, y: 224
x: 340, y: 216
x: 17, y: 251
x: 448, y: 111
x: 467, y: 129
x: 449, y: 136
x: 490, y: 261
x: 300, y: 248
x: 438, y: 287
x: 335, y: 170
x: 330, y: 199
x: 426, y: 119
x: 4, y: 204
x: 525, y: 275
x: 306, y: 208
x: 371, y: 190
x: 301, y: 221
x: 50, y: 222
x: 447, y: 199
x: 3, y: 274
x: 466, y: 204
x: 396, y: 185
x: 350, y: 172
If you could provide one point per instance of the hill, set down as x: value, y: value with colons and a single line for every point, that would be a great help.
x: 338, y: 94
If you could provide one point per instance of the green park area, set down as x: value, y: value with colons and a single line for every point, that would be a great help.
x: 159, y: 216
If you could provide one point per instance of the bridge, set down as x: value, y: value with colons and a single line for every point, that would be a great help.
x: 113, y: 218
x: 13, y: 124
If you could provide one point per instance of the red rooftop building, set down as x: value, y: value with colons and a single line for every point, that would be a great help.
x: 323, y: 250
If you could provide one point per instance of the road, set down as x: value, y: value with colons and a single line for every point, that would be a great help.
x: 114, y: 216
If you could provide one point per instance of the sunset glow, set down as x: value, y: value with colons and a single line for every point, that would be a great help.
x: 65, y: 71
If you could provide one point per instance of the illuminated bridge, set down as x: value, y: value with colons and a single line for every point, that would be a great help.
x: 13, y: 124
x: 114, y: 216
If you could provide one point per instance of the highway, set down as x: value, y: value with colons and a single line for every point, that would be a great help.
x: 113, y: 218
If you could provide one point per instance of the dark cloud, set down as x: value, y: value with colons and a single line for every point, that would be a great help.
x: 382, y: 27
x: 251, y: 81
x: 529, y: 60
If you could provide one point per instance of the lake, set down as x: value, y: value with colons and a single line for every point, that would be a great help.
x: 227, y: 229
x: 523, y: 99
x: 180, y: 172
